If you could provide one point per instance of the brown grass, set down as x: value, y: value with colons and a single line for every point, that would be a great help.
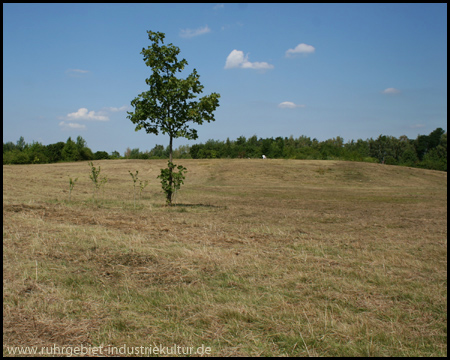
x: 257, y: 258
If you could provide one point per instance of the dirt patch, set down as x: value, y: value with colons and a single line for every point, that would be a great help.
x: 22, y: 327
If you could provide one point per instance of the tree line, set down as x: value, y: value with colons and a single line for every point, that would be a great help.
x: 426, y: 151
x: 36, y: 153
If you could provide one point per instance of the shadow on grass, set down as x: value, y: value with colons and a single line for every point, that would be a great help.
x: 197, y: 206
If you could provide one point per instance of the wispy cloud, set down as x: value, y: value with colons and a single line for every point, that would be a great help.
x: 289, y: 105
x: 236, y: 59
x: 303, y: 49
x: 76, y: 126
x: 76, y: 72
x: 189, y: 33
x: 391, y: 91
x: 218, y: 6
x: 417, y: 126
x: 79, y: 71
x: 84, y: 114
x: 114, y: 109
x: 232, y: 26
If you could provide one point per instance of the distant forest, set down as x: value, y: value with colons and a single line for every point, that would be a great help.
x: 426, y: 151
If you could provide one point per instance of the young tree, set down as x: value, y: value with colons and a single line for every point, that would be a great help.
x: 71, y: 186
x: 95, y: 177
x: 169, y: 105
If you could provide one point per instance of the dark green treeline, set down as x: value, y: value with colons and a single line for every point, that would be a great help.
x: 426, y: 151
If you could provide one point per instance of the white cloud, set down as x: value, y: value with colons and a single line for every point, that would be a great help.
x: 70, y: 120
x: 390, y: 91
x: 219, y: 6
x: 72, y: 125
x: 84, y: 114
x: 301, y: 49
x: 236, y: 59
x: 289, y: 105
x: 188, y: 33
x: 417, y: 126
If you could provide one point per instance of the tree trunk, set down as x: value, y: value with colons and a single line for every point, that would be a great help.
x: 170, y: 148
x: 169, y: 193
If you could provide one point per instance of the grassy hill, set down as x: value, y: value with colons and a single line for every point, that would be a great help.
x: 257, y: 257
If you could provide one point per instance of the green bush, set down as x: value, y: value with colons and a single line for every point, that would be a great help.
x: 171, y: 181
x: 101, y: 155
x: 20, y: 157
x: 389, y: 160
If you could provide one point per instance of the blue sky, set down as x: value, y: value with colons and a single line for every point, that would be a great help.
x: 320, y: 70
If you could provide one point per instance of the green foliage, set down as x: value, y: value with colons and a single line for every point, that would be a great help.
x: 157, y: 152
x: 135, y: 179
x: 435, y: 138
x: 169, y: 105
x: 36, y: 153
x: 389, y: 160
x: 134, y: 154
x: 115, y: 155
x: 9, y: 146
x: 103, y: 182
x: 95, y: 177
x: 71, y: 186
x: 408, y: 156
x: 70, y: 151
x: 171, y: 181
x: 94, y: 173
x: 16, y: 157
x: 8, y: 157
x: 194, y: 151
x: 86, y: 154
x: 81, y: 143
x: 384, y: 149
x: 21, y: 144
x: 436, y: 158
x: 426, y: 151
x: 101, y: 155
x: 142, y: 186
x: 421, y: 145
x: 54, y: 151
x: 79, y: 152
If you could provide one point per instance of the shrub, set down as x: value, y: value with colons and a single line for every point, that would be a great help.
x: 101, y: 155
x: 171, y: 181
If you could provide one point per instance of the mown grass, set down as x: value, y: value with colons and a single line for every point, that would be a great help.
x: 257, y: 258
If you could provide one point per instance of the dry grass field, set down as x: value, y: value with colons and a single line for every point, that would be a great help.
x: 257, y: 258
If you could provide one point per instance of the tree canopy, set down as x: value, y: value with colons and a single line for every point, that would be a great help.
x: 169, y: 105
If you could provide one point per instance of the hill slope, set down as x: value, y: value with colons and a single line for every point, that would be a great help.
x: 258, y: 257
